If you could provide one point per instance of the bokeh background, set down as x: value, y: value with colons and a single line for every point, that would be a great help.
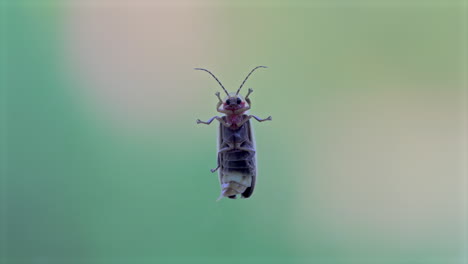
x: 364, y: 161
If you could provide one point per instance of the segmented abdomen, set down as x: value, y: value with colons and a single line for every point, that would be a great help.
x: 237, y: 171
x: 239, y: 161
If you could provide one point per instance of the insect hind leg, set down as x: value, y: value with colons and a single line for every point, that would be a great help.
x: 219, y: 165
x: 219, y: 157
x: 215, y: 169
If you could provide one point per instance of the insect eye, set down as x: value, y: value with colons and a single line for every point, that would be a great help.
x: 238, y: 100
x: 228, y: 102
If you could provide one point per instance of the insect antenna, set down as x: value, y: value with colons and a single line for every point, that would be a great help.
x: 238, y: 90
x: 201, y: 69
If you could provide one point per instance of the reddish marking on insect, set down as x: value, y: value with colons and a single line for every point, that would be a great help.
x: 234, y: 120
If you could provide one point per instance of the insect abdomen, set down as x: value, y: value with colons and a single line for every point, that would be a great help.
x: 237, y: 172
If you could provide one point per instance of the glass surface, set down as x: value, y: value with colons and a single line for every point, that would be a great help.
x: 364, y: 161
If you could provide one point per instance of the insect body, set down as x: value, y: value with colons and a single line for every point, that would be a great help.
x: 236, y: 145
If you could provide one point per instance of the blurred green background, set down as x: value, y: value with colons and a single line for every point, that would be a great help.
x: 364, y: 161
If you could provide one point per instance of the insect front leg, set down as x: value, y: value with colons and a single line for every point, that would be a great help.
x: 247, y: 99
x: 242, y: 110
x: 247, y: 96
x: 220, y: 103
x: 220, y: 100
x: 222, y: 110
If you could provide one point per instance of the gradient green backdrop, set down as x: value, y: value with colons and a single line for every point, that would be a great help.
x: 364, y: 161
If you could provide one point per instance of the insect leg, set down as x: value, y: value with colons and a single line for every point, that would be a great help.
x: 247, y: 96
x: 222, y: 110
x: 211, y: 120
x: 247, y: 99
x: 226, y: 149
x: 215, y: 169
x: 261, y: 120
x: 207, y: 122
x: 248, y: 149
x: 244, y: 121
x: 256, y: 117
x: 220, y: 100
x: 242, y: 110
x: 219, y: 157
